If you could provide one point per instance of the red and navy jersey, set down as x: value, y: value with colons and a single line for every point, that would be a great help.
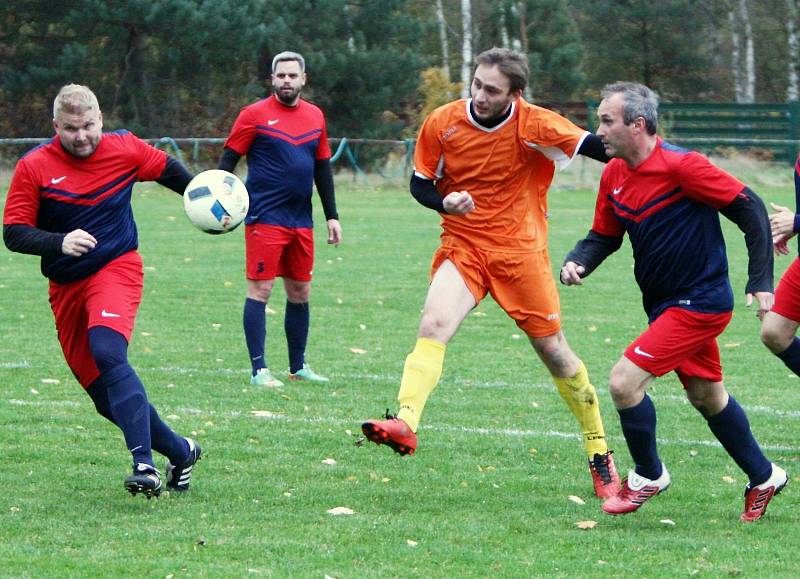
x: 58, y: 192
x: 669, y: 206
x: 281, y: 143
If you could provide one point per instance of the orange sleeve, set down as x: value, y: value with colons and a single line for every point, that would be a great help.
x: 552, y: 135
x: 428, y: 153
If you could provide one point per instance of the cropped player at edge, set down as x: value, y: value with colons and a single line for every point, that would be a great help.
x: 485, y: 164
x: 70, y: 203
x: 668, y: 201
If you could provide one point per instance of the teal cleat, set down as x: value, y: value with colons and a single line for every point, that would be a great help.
x: 265, y: 378
x: 306, y: 374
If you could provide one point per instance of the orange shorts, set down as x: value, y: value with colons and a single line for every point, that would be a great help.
x: 521, y: 283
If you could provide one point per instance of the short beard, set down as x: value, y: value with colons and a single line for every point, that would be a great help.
x: 291, y: 101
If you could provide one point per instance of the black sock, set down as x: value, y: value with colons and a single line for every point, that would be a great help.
x: 732, y: 429
x: 639, y: 428
x: 255, y: 332
x: 296, y: 323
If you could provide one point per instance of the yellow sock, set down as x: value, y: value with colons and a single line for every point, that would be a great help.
x: 581, y: 398
x: 420, y: 376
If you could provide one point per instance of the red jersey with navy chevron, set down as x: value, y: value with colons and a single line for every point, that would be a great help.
x: 281, y: 143
x: 58, y: 192
x: 669, y: 206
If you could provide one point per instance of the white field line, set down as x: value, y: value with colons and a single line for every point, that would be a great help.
x: 353, y: 424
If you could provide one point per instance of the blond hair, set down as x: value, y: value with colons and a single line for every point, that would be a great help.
x: 75, y: 99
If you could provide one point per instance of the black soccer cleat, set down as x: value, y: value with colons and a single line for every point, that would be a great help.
x: 179, y: 476
x: 145, y: 479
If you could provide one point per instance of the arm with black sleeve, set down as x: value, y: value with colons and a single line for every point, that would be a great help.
x: 228, y: 160
x: 426, y: 193
x: 592, y: 147
x: 747, y: 211
x: 323, y: 179
x: 590, y: 252
x: 175, y: 176
x: 32, y: 240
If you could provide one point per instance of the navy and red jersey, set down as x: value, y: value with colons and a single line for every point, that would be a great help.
x: 58, y: 192
x: 282, y: 144
x: 669, y: 206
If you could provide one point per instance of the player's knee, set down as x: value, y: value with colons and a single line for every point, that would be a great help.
x: 774, y: 339
x: 621, y: 387
x: 434, y: 328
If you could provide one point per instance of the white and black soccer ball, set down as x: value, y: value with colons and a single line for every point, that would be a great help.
x: 216, y: 201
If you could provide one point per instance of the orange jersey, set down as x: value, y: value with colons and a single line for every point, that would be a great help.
x: 507, y: 169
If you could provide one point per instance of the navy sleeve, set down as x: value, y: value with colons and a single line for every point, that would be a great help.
x: 592, y: 147
x: 26, y: 239
x: 591, y: 251
x: 426, y: 193
x: 323, y: 179
x: 228, y: 160
x: 747, y: 211
x: 175, y: 176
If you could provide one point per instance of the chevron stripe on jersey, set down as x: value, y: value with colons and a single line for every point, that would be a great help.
x: 58, y: 192
x: 282, y: 144
x: 668, y: 206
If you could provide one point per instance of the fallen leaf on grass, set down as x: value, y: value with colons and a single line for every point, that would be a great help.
x: 585, y: 525
x: 330, y: 461
x: 729, y: 479
x: 731, y: 345
x: 358, y: 351
x: 341, y: 511
x: 576, y: 500
x: 411, y: 543
x: 264, y: 413
x: 667, y: 521
x: 34, y: 391
x: 50, y: 381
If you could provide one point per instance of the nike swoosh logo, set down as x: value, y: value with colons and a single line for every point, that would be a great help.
x: 641, y: 352
x: 106, y: 314
x: 55, y: 181
x: 616, y: 191
x: 272, y: 122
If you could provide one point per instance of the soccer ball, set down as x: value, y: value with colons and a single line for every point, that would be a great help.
x: 216, y: 201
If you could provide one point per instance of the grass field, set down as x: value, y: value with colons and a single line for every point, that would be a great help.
x: 486, y: 495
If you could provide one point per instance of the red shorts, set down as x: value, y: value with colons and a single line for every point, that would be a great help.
x: 681, y: 340
x: 109, y: 298
x: 521, y: 283
x: 787, y: 294
x: 275, y: 251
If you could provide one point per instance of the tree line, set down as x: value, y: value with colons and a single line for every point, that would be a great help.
x: 185, y: 67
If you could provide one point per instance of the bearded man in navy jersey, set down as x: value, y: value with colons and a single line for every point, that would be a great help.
x: 668, y: 201
x: 285, y: 139
x: 70, y: 203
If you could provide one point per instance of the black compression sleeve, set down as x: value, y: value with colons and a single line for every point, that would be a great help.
x: 323, y: 179
x: 426, y: 193
x: 747, y: 211
x: 175, y: 176
x: 228, y: 160
x: 592, y: 250
x: 32, y: 240
x: 592, y: 146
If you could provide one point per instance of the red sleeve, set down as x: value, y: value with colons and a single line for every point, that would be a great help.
x: 324, y: 148
x: 152, y: 161
x: 605, y: 221
x: 22, y: 201
x: 704, y: 182
x: 242, y: 133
